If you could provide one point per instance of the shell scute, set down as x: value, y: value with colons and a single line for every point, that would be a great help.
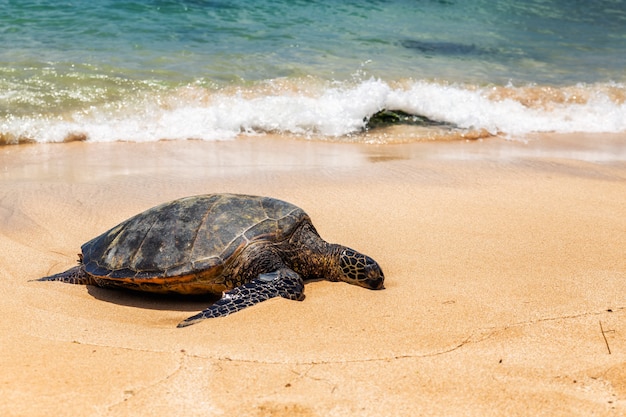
x: 283, y: 225
x: 262, y: 230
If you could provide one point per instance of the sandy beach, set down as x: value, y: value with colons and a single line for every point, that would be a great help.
x: 505, y: 267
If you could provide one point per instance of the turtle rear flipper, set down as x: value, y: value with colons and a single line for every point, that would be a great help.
x: 284, y: 283
x: 75, y: 275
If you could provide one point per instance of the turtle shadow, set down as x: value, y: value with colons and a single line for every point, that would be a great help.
x: 152, y: 301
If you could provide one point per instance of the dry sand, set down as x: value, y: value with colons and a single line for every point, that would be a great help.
x: 505, y: 289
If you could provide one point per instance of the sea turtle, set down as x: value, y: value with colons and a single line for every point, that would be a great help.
x: 245, y: 248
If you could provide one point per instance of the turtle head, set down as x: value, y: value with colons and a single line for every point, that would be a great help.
x: 360, y: 270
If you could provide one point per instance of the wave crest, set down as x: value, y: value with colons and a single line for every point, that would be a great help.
x: 337, y: 111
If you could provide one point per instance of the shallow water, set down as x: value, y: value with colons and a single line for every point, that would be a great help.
x: 150, y: 70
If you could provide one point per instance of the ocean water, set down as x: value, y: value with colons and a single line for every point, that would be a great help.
x: 149, y: 70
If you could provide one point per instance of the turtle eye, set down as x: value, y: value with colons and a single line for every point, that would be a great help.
x: 360, y: 269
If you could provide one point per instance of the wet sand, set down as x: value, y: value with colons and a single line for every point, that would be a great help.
x: 505, y: 293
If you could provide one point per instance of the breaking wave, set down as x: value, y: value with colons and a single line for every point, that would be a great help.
x: 338, y: 111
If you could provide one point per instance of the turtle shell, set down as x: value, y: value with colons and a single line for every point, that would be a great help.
x: 188, y: 237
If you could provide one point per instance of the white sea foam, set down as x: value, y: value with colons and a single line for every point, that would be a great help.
x: 478, y: 109
x: 315, y: 109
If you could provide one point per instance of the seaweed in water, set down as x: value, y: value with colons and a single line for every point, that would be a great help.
x: 443, y: 48
x: 384, y: 118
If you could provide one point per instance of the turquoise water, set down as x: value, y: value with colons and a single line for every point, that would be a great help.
x: 149, y: 70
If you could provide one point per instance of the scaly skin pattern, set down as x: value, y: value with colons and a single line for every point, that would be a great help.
x: 76, y: 275
x: 282, y: 283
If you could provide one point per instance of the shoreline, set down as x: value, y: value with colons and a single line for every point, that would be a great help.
x: 505, y: 281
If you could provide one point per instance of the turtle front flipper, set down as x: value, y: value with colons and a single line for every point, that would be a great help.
x: 284, y: 283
